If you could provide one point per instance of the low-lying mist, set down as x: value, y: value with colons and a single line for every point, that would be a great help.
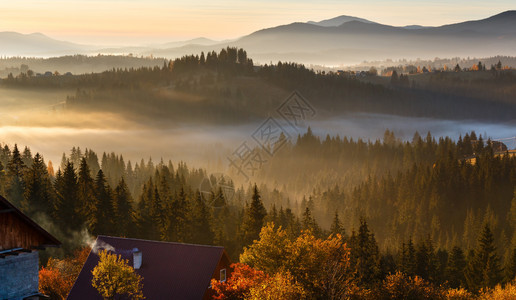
x: 40, y: 121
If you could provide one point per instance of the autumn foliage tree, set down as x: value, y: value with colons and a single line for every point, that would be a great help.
x: 321, y: 266
x: 401, y: 286
x: 280, y: 286
x: 114, y: 277
x: 238, y: 285
x: 57, y: 277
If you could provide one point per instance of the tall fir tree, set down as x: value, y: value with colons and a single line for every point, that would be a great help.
x: 365, y: 256
x: 484, y: 269
x: 15, y: 171
x: 408, y: 258
x: 200, y: 222
x: 3, y: 179
x: 102, y: 222
x: 510, y: 267
x: 86, y: 195
x: 158, y: 217
x: 178, y: 230
x: 38, y: 188
x: 66, y: 206
x: 308, y: 222
x: 425, y: 260
x: 456, y: 268
x: 124, y: 210
x: 255, y: 214
x: 143, y: 215
x: 336, y: 226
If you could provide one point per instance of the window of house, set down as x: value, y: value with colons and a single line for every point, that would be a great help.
x: 222, y: 275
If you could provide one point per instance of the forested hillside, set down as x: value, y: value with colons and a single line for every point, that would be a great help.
x: 227, y: 87
x: 426, y: 195
x: 427, y: 213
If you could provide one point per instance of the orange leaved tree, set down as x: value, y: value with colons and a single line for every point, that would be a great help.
x: 242, y: 279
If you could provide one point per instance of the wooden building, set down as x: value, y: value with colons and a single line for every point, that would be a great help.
x: 20, y: 240
x: 169, y: 270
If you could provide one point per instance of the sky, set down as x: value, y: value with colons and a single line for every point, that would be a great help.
x: 143, y: 22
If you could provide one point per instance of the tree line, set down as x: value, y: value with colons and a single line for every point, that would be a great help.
x: 222, y: 79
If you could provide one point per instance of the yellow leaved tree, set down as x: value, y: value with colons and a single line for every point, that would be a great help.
x: 114, y: 277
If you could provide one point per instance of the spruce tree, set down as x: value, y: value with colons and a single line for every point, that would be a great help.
x: 178, y: 211
x: 425, y: 260
x: 65, y: 204
x: 38, y: 188
x: 510, y: 267
x: 86, y: 195
x: 408, y: 258
x: 124, y: 211
x: 143, y: 216
x: 200, y: 222
x: 3, y: 179
x: 456, y: 268
x: 336, y: 226
x: 27, y: 157
x: 484, y: 269
x: 15, y: 171
x: 158, y: 217
x: 16, y: 167
x: 253, y: 219
x: 104, y: 211
x: 365, y: 256
x: 309, y: 223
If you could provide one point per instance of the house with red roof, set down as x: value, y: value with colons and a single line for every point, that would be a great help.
x: 169, y: 270
x: 20, y: 240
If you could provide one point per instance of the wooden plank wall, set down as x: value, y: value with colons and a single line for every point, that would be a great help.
x: 14, y: 233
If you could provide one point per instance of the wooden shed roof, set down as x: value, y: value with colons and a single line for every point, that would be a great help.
x: 17, y: 230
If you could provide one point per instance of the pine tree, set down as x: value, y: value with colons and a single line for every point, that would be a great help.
x: 3, y: 179
x: 456, y: 268
x: 15, y: 171
x: 336, y: 226
x: 442, y: 258
x: 408, y: 258
x: 510, y: 267
x: 365, y: 256
x: 253, y: 219
x: 308, y: 222
x: 86, y: 195
x: 272, y: 216
x: 66, y: 205
x: 422, y: 261
x: 124, y: 211
x: 27, y: 157
x: 158, y: 217
x: 483, y: 269
x: 143, y: 218
x: 200, y: 222
x: 103, y: 216
x: 178, y: 230
x: 220, y: 218
x: 38, y: 188
x: 425, y: 260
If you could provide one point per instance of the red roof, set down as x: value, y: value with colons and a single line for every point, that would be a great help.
x: 169, y: 270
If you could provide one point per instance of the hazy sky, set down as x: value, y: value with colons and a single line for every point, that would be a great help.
x: 147, y: 21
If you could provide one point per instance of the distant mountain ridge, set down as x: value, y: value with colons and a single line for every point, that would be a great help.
x: 354, y: 41
x: 336, y: 41
x: 14, y: 43
x: 337, y: 21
